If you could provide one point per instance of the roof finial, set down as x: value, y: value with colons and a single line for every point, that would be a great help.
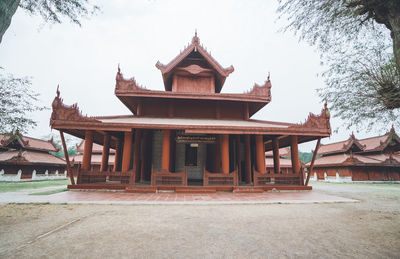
x: 119, y: 69
x: 195, y: 38
x: 269, y: 74
x: 58, y: 91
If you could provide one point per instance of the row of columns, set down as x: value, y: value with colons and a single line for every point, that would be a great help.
x: 222, y: 148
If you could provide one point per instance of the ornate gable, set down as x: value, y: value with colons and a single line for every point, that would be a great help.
x: 194, y: 62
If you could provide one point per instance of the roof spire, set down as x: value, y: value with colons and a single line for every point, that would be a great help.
x: 195, y: 38
x: 58, y: 91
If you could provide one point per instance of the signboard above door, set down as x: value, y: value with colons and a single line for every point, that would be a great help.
x: 195, y: 139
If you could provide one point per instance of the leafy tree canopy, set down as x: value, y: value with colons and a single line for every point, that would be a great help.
x: 52, y: 11
x: 17, y: 100
x: 359, y: 41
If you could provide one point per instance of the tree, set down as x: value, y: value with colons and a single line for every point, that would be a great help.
x: 52, y: 11
x: 17, y: 99
x: 362, y: 79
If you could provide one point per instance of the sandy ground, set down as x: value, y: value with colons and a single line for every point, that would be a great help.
x: 368, y: 229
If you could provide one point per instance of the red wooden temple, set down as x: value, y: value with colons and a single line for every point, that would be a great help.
x: 190, y: 135
x: 370, y: 159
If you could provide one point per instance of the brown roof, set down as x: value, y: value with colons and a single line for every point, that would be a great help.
x: 96, y: 148
x: 284, y: 162
x: 357, y: 160
x: 282, y: 152
x: 28, y: 142
x: 27, y: 157
x: 378, y: 143
x: 96, y: 159
x: 195, y: 46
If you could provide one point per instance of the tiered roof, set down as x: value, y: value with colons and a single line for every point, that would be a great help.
x: 19, y: 149
x: 374, y: 151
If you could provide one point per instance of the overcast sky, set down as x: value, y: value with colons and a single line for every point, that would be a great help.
x: 136, y: 34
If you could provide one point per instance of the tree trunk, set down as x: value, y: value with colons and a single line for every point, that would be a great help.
x: 7, y: 10
x: 394, y: 21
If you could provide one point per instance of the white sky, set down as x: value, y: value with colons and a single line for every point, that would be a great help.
x: 83, y: 60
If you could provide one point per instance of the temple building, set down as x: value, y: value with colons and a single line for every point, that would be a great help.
x: 370, y: 159
x: 25, y: 158
x: 189, y: 135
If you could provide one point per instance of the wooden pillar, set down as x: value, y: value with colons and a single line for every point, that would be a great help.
x: 238, y: 156
x: 294, y: 150
x: 275, y: 151
x: 172, y: 153
x: 166, y: 150
x: 247, y: 157
x: 136, y: 154
x: 117, y: 158
x: 217, y: 158
x: 126, y: 156
x: 260, y: 154
x: 71, y: 175
x: 87, y: 150
x: 311, y: 167
x: 225, y: 153
x: 143, y: 155
x: 106, y: 153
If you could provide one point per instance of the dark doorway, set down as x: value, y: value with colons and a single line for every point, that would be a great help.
x: 191, y: 155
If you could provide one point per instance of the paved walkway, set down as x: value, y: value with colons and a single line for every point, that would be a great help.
x: 118, y: 197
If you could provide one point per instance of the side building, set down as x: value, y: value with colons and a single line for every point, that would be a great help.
x: 25, y: 158
x: 370, y: 159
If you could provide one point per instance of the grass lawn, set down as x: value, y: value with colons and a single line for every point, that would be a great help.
x: 16, y: 186
x: 50, y: 192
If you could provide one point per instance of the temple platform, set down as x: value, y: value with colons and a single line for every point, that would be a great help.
x: 187, y: 189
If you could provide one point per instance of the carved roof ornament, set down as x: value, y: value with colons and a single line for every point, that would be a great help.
x: 195, y: 46
x: 12, y: 137
x: 66, y: 112
x: 353, y: 141
x: 321, y: 121
x: 127, y: 84
x: 261, y: 90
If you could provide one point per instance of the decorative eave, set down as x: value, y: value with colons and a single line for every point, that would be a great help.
x: 196, y: 46
x: 18, y: 158
x: 62, y: 112
x: 261, y: 90
x: 122, y: 84
x: 314, y: 121
x: 390, y: 137
x: 14, y: 136
x: 350, y: 142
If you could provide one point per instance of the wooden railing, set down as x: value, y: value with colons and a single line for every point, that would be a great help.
x: 167, y: 178
x: 220, y: 179
x: 101, y: 177
x: 270, y: 178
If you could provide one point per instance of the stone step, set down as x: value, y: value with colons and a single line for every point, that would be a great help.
x: 248, y: 190
x: 140, y: 189
x: 195, y: 189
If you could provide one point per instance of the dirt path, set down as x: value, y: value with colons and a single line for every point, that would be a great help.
x: 368, y: 229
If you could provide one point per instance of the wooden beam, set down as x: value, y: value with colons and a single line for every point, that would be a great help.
x: 165, y: 159
x: 87, y: 150
x: 294, y: 149
x: 136, y: 155
x: 126, y: 156
x: 275, y: 151
x: 225, y: 153
x: 260, y: 154
x: 312, y: 161
x: 71, y: 176
x: 117, y: 157
x: 106, y: 152
x: 247, y: 152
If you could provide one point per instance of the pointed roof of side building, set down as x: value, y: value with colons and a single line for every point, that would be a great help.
x: 373, y: 144
x: 17, y: 140
x: 351, y: 144
x: 194, y: 50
